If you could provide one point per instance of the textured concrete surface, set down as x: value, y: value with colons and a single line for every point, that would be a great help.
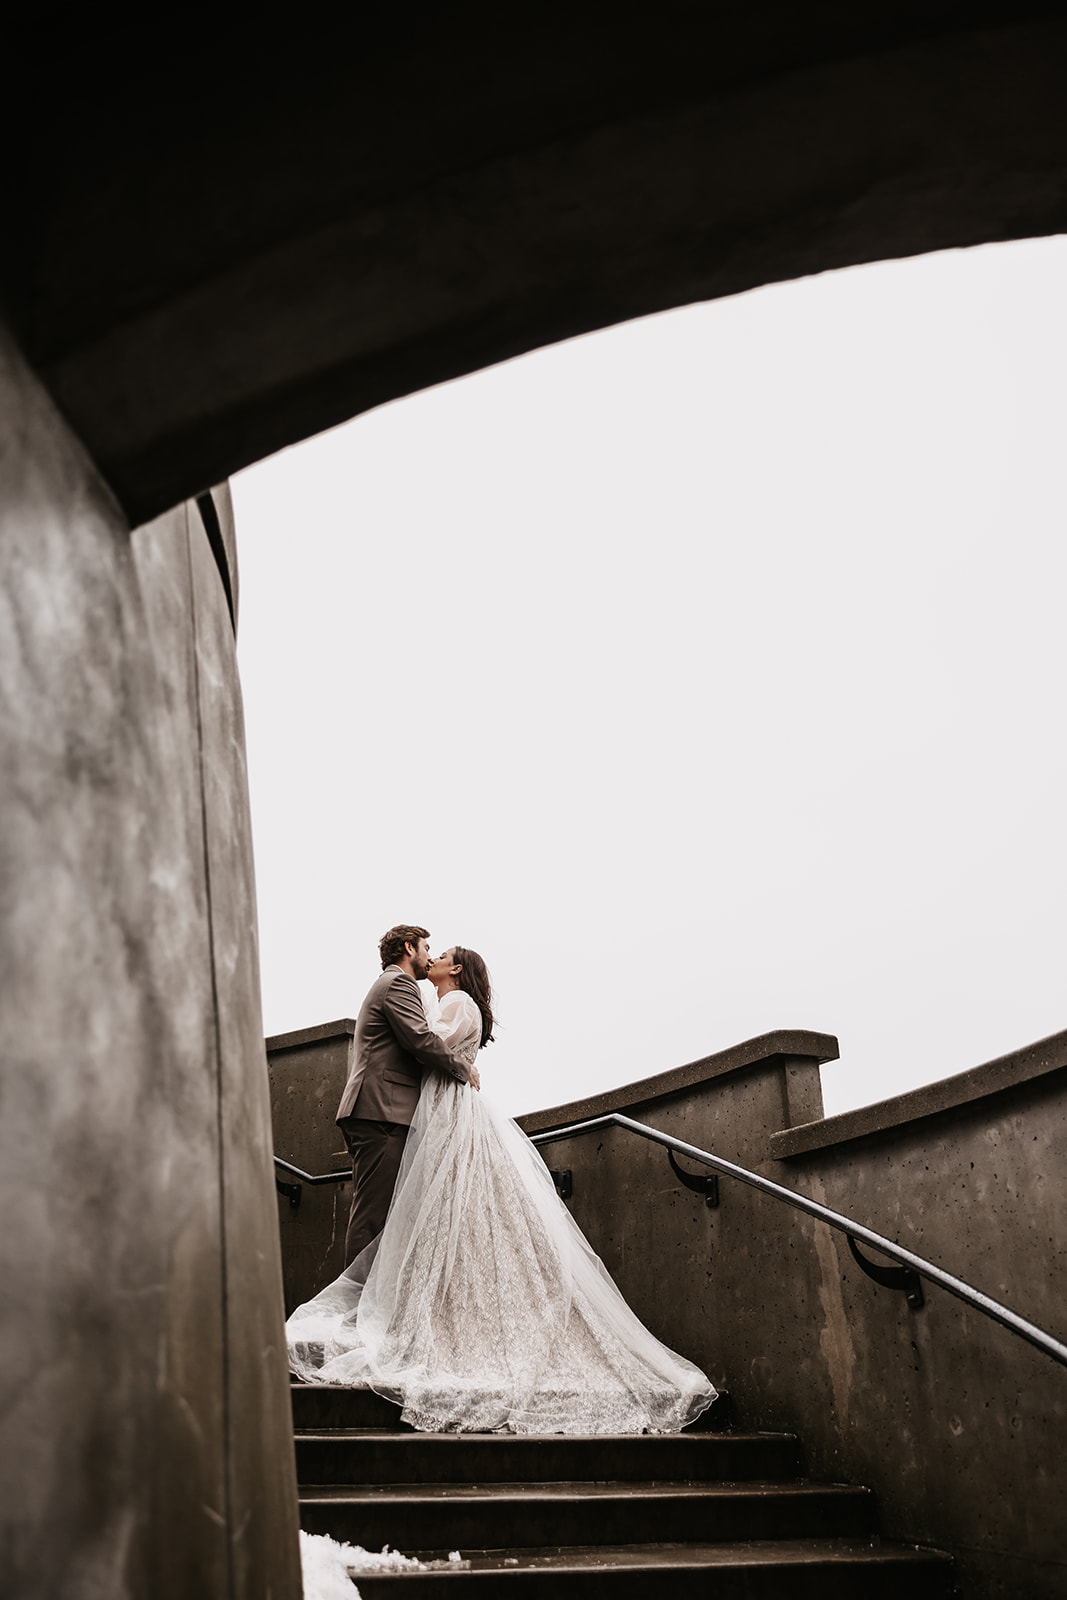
x: 339, y: 213
x: 695, y: 1275
x: 308, y: 1072
x: 144, y: 1444
x: 961, y: 1090
x: 223, y: 503
x: 955, y: 1423
x: 971, y: 1419
x: 800, y: 1082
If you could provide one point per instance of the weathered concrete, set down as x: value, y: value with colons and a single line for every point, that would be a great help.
x: 145, y: 1437
x: 796, y: 1053
x: 214, y: 260
x: 962, y: 1090
x: 665, y: 1247
x: 951, y: 1419
x: 958, y: 1425
x: 308, y: 1072
x: 970, y: 1418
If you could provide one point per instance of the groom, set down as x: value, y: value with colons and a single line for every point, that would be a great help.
x: 394, y: 1046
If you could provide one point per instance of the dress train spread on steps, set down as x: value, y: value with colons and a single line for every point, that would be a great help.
x: 481, y: 1306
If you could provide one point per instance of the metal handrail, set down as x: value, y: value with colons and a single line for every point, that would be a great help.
x: 307, y: 1177
x: 853, y: 1230
x: 293, y: 1191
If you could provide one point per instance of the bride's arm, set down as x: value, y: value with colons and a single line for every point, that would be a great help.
x: 458, y: 1022
x: 453, y: 1024
x: 402, y: 1005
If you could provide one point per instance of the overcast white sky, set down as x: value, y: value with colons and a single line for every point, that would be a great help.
x: 705, y: 674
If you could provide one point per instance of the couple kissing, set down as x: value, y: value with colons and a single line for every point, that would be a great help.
x: 471, y: 1297
x: 395, y: 1044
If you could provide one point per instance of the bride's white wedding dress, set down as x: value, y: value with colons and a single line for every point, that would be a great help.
x: 481, y: 1306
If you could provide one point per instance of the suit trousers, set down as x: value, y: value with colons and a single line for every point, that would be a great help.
x: 376, y: 1149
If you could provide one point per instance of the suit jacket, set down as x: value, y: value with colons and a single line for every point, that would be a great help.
x: 393, y: 1047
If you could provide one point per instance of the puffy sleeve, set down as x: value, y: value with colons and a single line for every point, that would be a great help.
x: 458, y: 1022
x: 402, y: 1007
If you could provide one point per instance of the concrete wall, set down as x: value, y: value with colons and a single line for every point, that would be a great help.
x: 958, y: 1425
x: 308, y: 1071
x: 146, y: 1444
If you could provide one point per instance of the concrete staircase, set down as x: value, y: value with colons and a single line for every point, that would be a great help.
x: 714, y: 1513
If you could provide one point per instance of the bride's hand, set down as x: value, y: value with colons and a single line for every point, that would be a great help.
x: 474, y: 1080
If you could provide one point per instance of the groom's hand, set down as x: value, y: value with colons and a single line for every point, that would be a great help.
x: 474, y: 1080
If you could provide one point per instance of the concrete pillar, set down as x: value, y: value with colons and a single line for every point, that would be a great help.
x: 145, y: 1440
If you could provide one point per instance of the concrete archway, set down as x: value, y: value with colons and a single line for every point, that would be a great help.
x: 219, y: 243
x: 230, y: 242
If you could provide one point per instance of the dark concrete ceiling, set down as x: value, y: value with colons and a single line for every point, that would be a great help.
x: 223, y: 238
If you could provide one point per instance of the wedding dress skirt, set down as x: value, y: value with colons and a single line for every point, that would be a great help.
x: 481, y: 1306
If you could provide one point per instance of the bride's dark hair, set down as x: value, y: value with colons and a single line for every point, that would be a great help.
x: 474, y: 980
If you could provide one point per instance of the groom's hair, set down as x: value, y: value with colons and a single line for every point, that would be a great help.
x: 391, y: 944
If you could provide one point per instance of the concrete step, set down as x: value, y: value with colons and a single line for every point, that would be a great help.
x: 318, y: 1406
x: 511, y: 1516
x: 357, y: 1455
x: 782, y: 1569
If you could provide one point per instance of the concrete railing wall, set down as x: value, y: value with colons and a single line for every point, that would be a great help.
x: 957, y: 1424
x: 308, y: 1070
x: 146, y: 1438
x: 953, y: 1421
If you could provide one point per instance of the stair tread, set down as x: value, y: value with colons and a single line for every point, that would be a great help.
x: 325, y: 1405
x: 299, y: 1383
x: 754, y: 1552
x: 693, y: 1441
x: 584, y: 1489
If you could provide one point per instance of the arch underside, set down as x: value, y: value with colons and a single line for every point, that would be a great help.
x: 245, y: 245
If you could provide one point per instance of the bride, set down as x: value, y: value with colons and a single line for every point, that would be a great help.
x: 481, y: 1306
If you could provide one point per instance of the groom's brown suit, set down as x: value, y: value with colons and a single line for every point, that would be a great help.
x: 394, y: 1046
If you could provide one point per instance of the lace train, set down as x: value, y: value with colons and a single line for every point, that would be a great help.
x: 481, y: 1306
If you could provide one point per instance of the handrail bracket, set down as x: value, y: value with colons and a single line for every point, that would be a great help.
x: 705, y: 1183
x: 291, y: 1191
x: 564, y: 1182
x: 890, y: 1277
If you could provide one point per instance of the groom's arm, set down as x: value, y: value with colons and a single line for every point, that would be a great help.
x: 403, y: 1010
